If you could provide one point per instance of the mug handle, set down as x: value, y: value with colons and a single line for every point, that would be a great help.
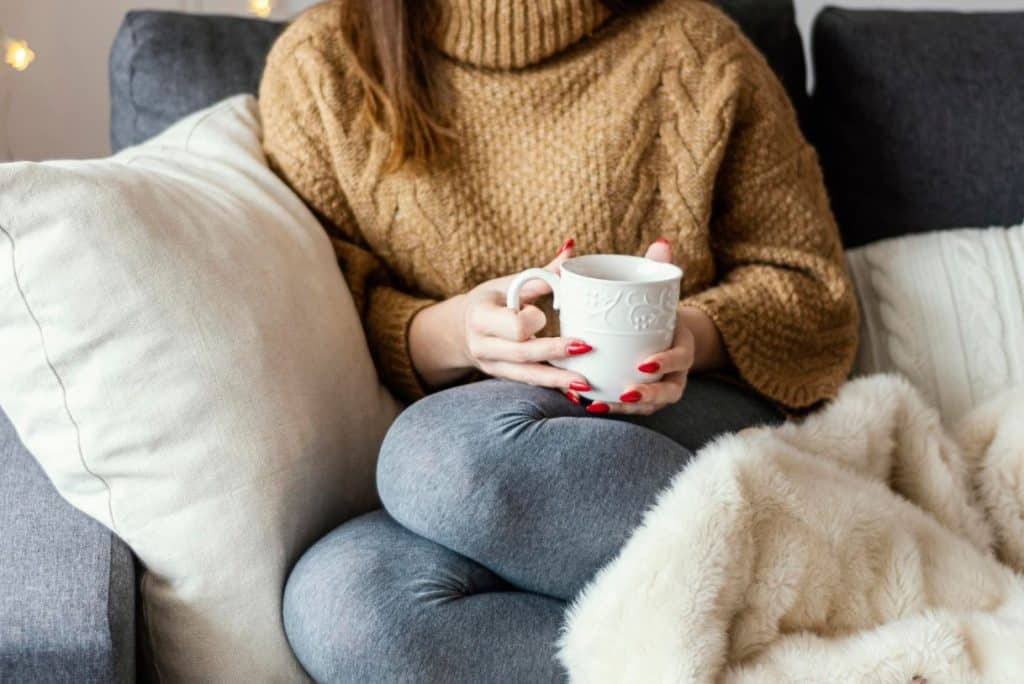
x: 512, y: 299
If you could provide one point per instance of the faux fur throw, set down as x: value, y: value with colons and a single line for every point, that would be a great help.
x: 863, y: 544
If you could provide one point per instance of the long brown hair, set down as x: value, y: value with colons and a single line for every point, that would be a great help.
x: 388, y: 40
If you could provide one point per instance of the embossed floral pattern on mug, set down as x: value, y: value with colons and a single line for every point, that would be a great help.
x: 640, y: 311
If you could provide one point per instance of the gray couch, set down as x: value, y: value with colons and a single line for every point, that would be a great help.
x: 919, y: 118
x: 67, y: 584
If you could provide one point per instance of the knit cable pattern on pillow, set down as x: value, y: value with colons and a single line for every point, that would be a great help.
x: 946, y: 310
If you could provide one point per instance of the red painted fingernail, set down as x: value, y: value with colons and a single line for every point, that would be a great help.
x: 631, y: 397
x: 577, y: 348
x: 573, y: 397
x: 568, y: 244
x: 663, y: 240
x: 598, y: 408
x: 579, y: 386
x: 652, y: 367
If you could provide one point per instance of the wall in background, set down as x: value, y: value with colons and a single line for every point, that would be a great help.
x: 59, y: 107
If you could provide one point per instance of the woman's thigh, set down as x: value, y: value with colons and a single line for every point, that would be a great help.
x: 373, y: 602
x: 534, y: 488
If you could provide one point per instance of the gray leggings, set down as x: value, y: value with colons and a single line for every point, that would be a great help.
x: 502, y: 501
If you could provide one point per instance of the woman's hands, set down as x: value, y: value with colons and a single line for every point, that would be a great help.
x: 477, y: 330
x: 501, y: 342
x: 697, y: 346
x: 483, y: 333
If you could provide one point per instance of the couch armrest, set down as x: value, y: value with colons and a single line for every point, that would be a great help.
x: 67, y: 585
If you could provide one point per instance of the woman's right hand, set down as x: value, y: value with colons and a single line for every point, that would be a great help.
x: 501, y: 342
x: 477, y: 330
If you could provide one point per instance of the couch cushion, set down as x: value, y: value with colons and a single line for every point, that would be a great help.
x: 166, y: 65
x: 67, y: 585
x: 920, y: 119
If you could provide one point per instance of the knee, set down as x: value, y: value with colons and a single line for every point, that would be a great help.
x: 463, y: 416
x: 344, y: 617
x: 331, y: 616
x: 448, y: 457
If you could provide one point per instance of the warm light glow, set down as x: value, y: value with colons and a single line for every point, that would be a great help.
x: 19, y: 55
x: 261, y: 8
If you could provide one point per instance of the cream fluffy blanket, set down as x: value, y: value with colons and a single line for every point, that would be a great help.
x: 863, y: 544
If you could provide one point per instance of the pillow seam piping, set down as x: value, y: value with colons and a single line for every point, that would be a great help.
x: 57, y: 377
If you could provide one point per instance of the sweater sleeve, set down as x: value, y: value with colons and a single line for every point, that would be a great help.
x: 295, y: 144
x: 783, y: 303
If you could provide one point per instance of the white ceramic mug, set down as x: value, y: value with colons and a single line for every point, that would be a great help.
x: 622, y: 306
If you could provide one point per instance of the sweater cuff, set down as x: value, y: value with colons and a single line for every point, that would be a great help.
x: 388, y: 318
x: 782, y: 364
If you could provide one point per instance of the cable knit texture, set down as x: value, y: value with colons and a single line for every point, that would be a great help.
x: 615, y: 131
x: 507, y: 34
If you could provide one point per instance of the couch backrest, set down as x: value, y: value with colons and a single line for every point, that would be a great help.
x: 919, y: 119
x: 918, y: 116
x: 166, y: 65
x: 771, y: 25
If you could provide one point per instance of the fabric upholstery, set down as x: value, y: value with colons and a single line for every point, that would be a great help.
x: 191, y: 372
x: 166, y: 65
x: 920, y: 119
x: 67, y: 585
x: 946, y: 310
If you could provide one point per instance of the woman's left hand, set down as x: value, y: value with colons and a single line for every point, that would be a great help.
x: 697, y: 346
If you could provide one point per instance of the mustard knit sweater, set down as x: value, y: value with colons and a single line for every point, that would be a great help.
x: 570, y: 122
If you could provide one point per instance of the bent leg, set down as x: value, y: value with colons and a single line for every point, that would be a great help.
x: 373, y: 602
x: 534, y: 488
x: 709, y: 408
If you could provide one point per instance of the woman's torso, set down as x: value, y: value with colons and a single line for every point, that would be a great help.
x: 616, y: 141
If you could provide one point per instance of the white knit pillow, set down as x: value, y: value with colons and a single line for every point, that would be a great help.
x: 945, y: 309
x: 181, y: 354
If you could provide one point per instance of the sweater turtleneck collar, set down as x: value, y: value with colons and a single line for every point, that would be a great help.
x: 509, y: 34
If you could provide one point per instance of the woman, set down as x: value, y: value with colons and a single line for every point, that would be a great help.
x: 447, y: 144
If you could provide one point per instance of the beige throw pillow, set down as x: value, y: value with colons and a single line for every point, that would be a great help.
x: 181, y: 354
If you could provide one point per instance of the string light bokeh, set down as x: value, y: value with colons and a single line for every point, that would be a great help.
x: 17, y: 54
x: 261, y: 8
